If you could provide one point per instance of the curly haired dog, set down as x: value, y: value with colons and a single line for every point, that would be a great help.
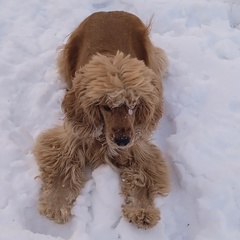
x: 114, y: 103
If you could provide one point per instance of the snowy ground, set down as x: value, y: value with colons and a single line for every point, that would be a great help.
x: 199, y: 133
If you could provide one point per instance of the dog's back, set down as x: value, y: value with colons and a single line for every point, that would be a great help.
x: 106, y: 33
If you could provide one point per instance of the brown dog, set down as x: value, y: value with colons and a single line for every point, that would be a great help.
x: 114, y: 103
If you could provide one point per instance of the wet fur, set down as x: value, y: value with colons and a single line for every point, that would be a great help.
x: 113, y: 73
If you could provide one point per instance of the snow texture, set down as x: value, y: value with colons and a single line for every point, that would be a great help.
x: 199, y: 133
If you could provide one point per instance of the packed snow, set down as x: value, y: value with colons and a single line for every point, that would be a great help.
x: 199, y: 133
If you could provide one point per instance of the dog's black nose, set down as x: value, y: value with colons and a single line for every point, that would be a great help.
x: 122, y: 141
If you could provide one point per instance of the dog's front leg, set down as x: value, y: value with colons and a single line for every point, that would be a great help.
x: 62, y: 175
x: 141, y: 182
x: 139, y: 207
x: 59, y: 191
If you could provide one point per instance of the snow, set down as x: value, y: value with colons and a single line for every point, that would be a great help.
x: 199, y: 133
x: 130, y: 111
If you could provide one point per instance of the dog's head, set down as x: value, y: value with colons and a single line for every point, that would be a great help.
x: 117, y: 98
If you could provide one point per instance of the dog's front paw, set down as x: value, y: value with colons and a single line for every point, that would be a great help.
x: 142, y: 217
x: 59, y: 214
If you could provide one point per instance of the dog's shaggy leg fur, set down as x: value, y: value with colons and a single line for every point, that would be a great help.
x: 62, y: 173
x: 146, y: 178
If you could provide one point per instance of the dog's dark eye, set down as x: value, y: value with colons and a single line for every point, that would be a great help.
x: 107, y: 108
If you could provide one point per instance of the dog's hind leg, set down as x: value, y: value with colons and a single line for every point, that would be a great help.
x: 68, y: 57
x: 62, y: 174
x: 157, y: 60
x: 146, y: 178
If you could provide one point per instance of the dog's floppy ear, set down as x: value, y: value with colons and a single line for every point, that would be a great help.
x: 68, y: 106
x: 77, y: 114
x: 150, y: 105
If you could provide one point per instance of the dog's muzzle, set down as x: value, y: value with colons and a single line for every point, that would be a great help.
x: 122, y: 141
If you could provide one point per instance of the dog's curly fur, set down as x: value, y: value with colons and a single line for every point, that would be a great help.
x: 113, y: 105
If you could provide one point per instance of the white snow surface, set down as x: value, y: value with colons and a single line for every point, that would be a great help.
x: 199, y: 133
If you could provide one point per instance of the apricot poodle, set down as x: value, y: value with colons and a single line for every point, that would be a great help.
x: 112, y: 106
